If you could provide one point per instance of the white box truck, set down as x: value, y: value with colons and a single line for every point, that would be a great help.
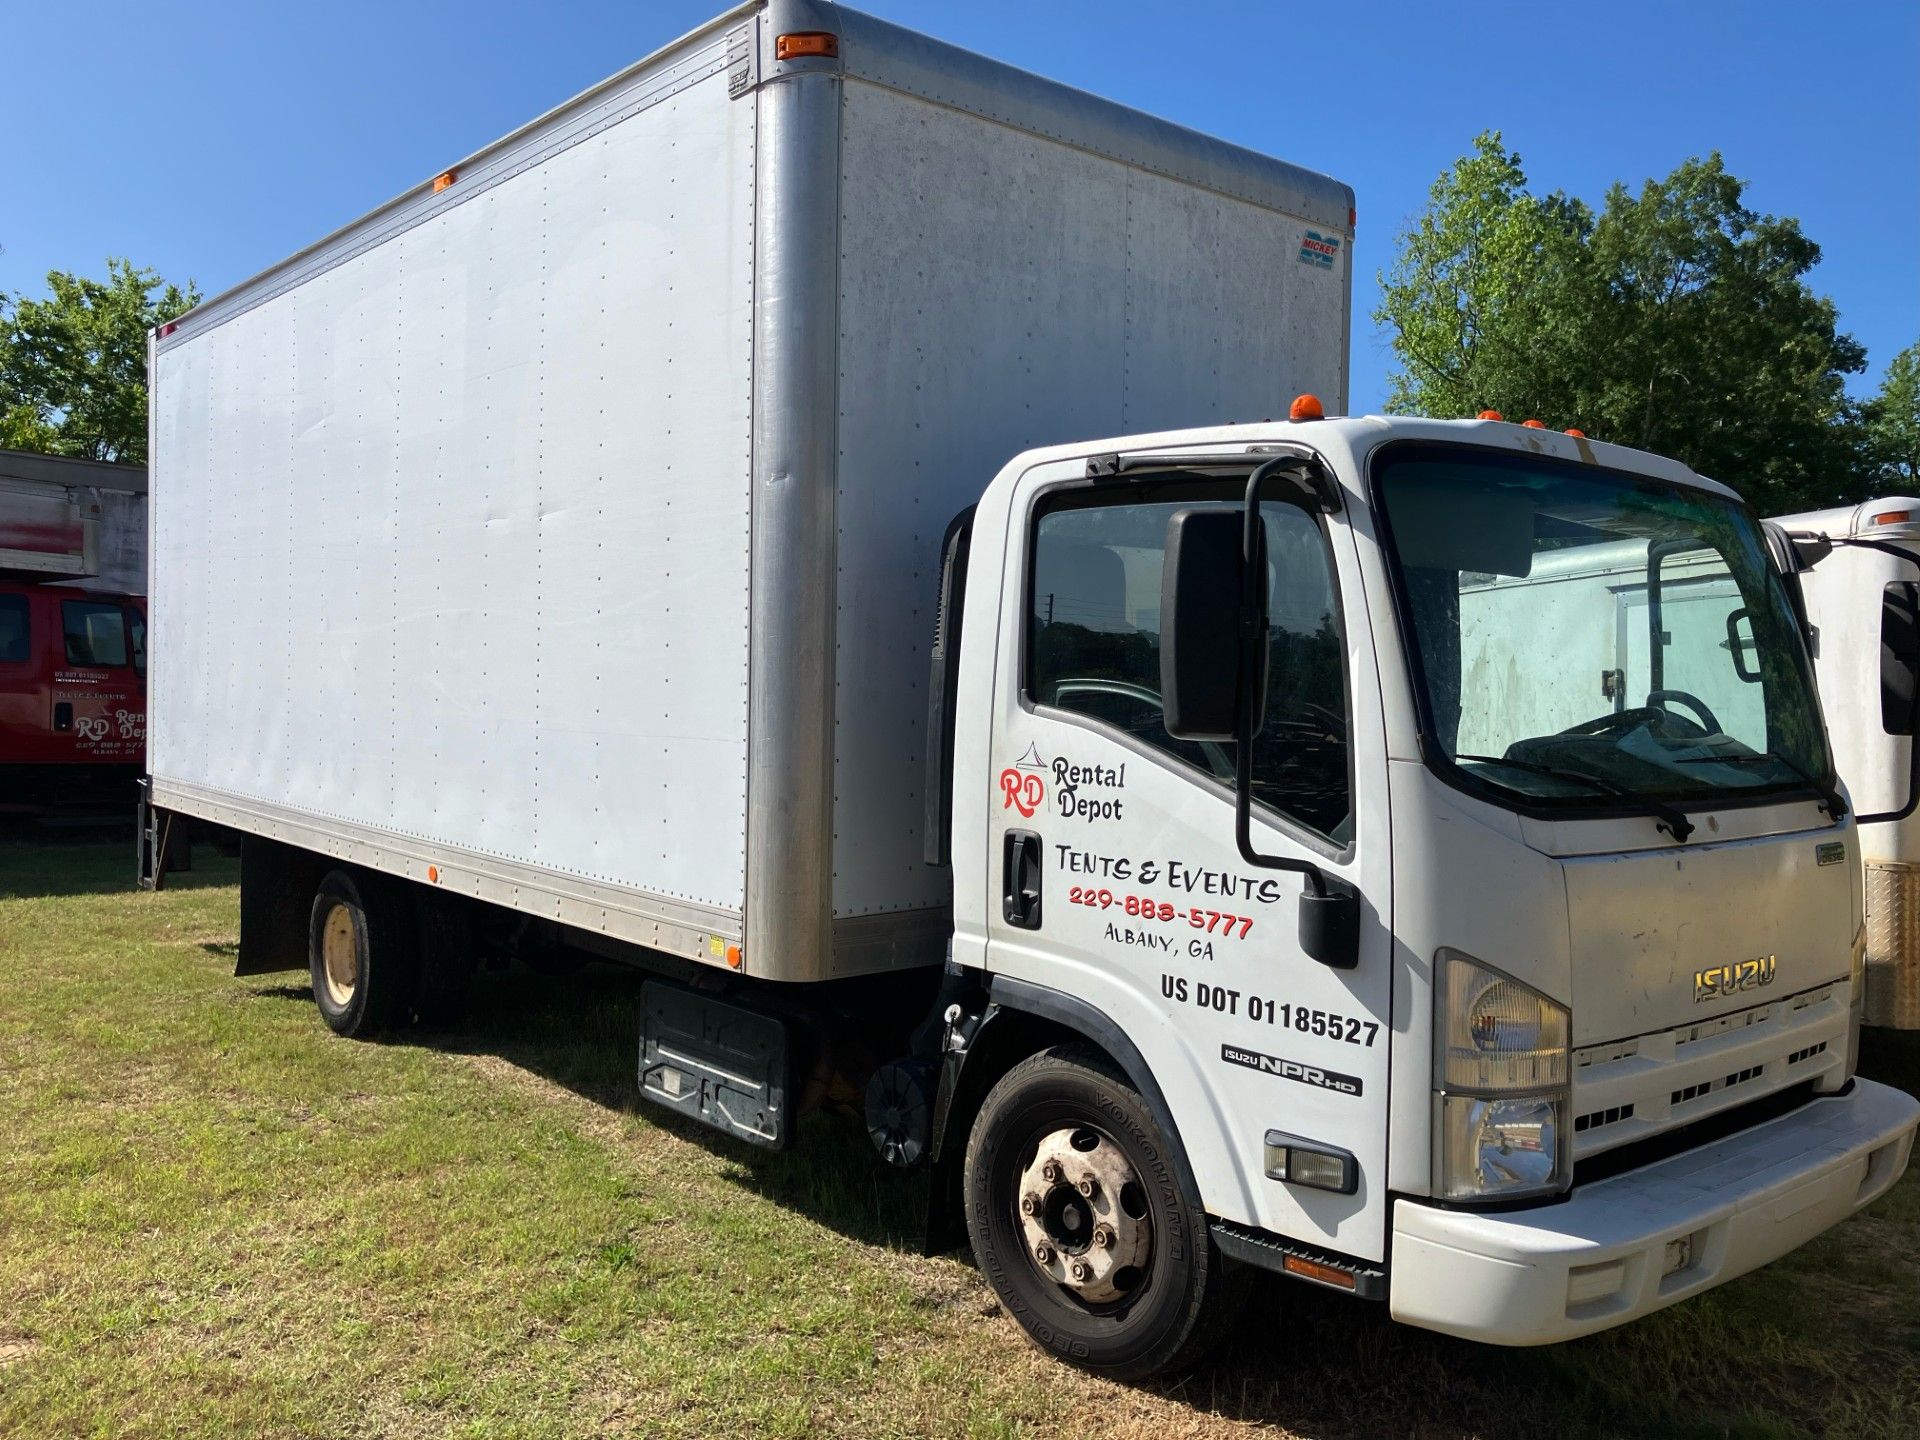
x: 612, y: 546
x: 1855, y: 572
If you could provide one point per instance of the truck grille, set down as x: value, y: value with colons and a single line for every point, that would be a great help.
x: 1627, y: 1090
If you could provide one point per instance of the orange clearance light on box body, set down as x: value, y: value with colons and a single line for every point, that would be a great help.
x: 1306, y: 407
x: 806, y: 42
x: 444, y: 179
x: 733, y: 956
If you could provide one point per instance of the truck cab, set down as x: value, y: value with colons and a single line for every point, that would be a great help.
x: 1855, y: 572
x: 1435, y: 823
x: 72, y: 695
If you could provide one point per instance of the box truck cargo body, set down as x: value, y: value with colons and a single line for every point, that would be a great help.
x: 1856, y: 569
x: 572, y: 526
x: 627, y: 560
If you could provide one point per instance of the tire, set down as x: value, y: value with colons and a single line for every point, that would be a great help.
x: 1150, y: 1295
x: 361, y: 953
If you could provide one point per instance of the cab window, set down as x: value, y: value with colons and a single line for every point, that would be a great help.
x: 96, y: 633
x: 13, y: 629
x: 1093, y: 644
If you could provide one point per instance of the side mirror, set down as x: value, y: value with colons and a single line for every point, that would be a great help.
x: 1900, y: 657
x: 1740, y: 644
x: 1202, y: 593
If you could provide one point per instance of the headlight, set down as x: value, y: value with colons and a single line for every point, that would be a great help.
x: 1501, y: 1076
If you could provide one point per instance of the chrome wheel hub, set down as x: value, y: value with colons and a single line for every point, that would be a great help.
x: 1083, y: 1214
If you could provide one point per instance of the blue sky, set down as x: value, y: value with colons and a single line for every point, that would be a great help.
x: 209, y: 140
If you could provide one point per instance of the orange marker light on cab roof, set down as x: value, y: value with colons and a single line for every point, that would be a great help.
x: 1577, y: 434
x: 802, y: 43
x: 1532, y: 425
x: 1490, y: 415
x: 1306, y: 407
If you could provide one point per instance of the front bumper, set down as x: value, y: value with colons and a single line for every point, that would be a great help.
x: 1600, y: 1258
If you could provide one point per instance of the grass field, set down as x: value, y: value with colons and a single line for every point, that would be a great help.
x: 216, y: 1219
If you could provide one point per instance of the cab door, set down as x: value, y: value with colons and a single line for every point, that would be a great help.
x: 1114, y: 842
x: 98, y: 709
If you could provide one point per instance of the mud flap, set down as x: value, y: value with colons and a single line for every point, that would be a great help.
x: 277, y: 884
x: 718, y: 1063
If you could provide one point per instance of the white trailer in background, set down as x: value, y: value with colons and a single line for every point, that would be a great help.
x: 612, y: 546
x: 1857, y: 569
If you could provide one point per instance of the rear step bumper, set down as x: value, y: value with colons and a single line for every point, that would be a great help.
x: 1624, y: 1247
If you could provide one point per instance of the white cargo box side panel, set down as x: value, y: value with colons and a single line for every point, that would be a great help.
x: 1001, y: 290
x: 451, y: 536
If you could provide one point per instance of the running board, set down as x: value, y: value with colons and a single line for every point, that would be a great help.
x: 1302, y: 1262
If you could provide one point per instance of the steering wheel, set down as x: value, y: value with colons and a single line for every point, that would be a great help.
x: 1708, y: 720
x: 1620, y: 721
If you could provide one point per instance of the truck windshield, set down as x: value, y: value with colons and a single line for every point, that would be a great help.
x: 1589, y: 638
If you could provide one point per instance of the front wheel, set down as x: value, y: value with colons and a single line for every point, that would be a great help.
x: 1082, y: 1224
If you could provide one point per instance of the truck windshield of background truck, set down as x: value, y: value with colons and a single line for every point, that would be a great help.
x: 1093, y: 647
x: 1583, y: 637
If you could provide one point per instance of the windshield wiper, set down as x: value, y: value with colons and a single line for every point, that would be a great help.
x: 1830, y: 800
x: 1671, y: 819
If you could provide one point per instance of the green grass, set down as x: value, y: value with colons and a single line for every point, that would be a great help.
x: 217, y: 1219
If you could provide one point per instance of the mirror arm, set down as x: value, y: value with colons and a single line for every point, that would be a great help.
x: 1253, y: 639
x: 1888, y: 817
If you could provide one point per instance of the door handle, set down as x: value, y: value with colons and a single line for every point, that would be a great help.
x: 63, y: 715
x: 1020, y: 902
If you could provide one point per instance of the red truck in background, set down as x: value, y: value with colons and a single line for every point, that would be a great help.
x: 73, y: 632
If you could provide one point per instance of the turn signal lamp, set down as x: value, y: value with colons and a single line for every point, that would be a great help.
x: 802, y: 43
x: 1892, y: 517
x: 1306, y: 407
x: 1490, y: 415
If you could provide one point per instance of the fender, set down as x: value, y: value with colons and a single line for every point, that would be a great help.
x: 962, y: 1086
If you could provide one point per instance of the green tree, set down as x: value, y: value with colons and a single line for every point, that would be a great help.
x: 1893, y: 425
x: 1487, y: 284
x: 73, y: 366
x: 1675, y: 320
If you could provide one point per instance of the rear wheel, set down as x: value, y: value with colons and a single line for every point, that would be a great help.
x: 361, y: 953
x: 1083, y: 1225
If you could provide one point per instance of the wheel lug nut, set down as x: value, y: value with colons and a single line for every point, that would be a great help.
x: 1080, y: 1271
x: 1103, y: 1236
x: 1050, y: 1172
x: 1043, y: 1252
x: 1087, y: 1186
x: 1029, y: 1204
